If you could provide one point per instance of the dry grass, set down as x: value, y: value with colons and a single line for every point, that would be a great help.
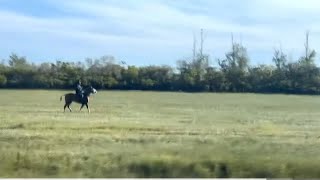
x: 153, y: 134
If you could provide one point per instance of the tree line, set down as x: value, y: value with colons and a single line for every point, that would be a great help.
x: 195, y: 74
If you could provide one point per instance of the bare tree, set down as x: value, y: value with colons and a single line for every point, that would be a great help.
x: 194, y: 47
x: 309, y: 54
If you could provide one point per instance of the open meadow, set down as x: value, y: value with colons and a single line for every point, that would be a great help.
x: 159, y: 134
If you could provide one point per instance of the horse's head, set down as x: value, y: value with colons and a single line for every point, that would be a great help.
x: 90, y: 90
x: 93, y: 90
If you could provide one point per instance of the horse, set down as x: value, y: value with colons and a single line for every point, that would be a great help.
x: 71, y: 97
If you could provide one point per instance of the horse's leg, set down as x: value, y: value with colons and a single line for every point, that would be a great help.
x: 64, y: 108
x: 69, y: 106
x: 88, y: 108
x: 81, y: 106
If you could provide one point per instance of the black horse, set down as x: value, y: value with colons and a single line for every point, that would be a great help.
x: 71, y: 97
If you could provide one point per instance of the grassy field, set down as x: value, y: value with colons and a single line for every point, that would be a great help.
x: 153, y: 134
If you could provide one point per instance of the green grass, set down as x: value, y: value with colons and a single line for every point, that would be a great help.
x: 153, y: 134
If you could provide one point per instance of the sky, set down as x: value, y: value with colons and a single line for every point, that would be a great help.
x: 155, y: 32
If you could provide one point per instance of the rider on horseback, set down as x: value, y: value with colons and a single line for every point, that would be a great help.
x: 79, y: 89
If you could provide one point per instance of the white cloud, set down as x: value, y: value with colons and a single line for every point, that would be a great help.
x: 163, y: 29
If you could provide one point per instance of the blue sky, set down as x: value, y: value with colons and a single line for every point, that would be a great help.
x: 145, y: 32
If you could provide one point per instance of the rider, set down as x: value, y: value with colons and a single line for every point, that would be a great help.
x: 79, y: 89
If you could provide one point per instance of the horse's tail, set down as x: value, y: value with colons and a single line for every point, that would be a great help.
x: 61, y: 97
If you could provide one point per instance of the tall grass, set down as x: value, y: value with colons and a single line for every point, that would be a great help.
x: 153, y: 134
